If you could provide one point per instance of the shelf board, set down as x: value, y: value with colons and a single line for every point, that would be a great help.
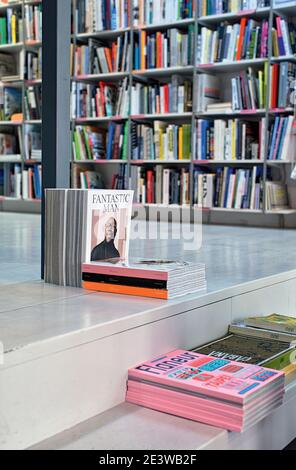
x: 288, y: 10
x: 100, y: 119
x: 111, y: 77
x: 11, y: 123
x: 281, y: 110
x: 157, y: 162
x: 37, y: 81
x: 33, y: 44
x: 281, y: 212
x: 242, y: 113
x: 228, y: 162
x: 11, y: 47
x: 32, y: 162
x: 164, y: 71
x: 102, y: 34
x: 280, y: 162
x: 242, y: 211
x: 161, y: 117
x: 230, y: 66
x: 34, y: 121
x: 98, y: 162
x: 287, y: 58
x: 164, y: 26
x: 10, y: 158
x: 259, y: 12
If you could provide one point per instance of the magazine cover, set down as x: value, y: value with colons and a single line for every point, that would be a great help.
x: 108, y: 224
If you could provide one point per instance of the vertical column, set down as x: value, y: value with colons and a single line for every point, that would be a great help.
x: 56, y: 142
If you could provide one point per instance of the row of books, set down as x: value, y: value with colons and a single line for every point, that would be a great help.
x: 33, y: 22
x: 105, y: 100
x: 245, y: 41
x: 218, y: 7
x: 161, y: 141
x: 174, y: 97
x: 97, y: 58
x: 92, y: 15
x: 231, y: 139
x: 160, y: 185
x: 229, y: 188
x: 283, y: 38
x: 33, y: 102
x: 24, y: 183
x: 249, y: 89
x: 168, y: 49
x: 280, y: 141
x: 33, y: 65
x: 11, y: 27
x: 165, y: 11
x: 11, y: 143
x: 282, y: 85
x: 257, y: 353
x: 10, y: 102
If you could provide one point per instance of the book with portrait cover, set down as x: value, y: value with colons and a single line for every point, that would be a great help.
x: 220, y: 392
x: 84, y: 226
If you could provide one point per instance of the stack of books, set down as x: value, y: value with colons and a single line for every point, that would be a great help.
x: 283, y: 38
x: 33, y: 65
x: 161, y: 279
x: 249, y: 89
x: 229, y: 188
x: 161, y: 142
x: 160, y: 185
x: 282, y: 85
x: 280, y: 140
x: 93, y: 16
x: 166, y: 11
x: 216, y: 7
x: 11, y: 27
x: 220, y: 392
x: 103, y: 100
x: 33, y: 102
x: 174, y: 97
x: 33, y: 22
x: 158, y: 50
x: 277, y: 197
x: 245, y: 41
x: 89, y: 143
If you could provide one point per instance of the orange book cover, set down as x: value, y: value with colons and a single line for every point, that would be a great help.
x: 114, y: 54
x: 108, y: 58
x: 158, y: 50
x: 241, y: 38
x: 126, y: 290
x: 102, y: 97
x: 143, y: 50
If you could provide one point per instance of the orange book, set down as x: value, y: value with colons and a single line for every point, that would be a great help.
x: 158, y: 50
x: 108, y: 58
x: 241, y: 38
x: 274, y: 85
x: 143, y: 50
x: 126, y: 290
x: 17, y: 117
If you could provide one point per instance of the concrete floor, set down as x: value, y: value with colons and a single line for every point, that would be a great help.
x: 232, y: 254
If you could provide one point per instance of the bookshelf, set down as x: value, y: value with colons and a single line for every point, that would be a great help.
x: 191, y: 71
x: 20, y: 161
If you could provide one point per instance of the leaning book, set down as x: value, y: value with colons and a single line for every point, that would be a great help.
x: 273, y: 322
x: 156, y: 278
x: 84, y: 226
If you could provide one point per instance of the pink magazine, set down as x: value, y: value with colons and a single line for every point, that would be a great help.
x: 205, y: 375
x: 235, y: 411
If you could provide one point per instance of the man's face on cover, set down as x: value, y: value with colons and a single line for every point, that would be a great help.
x: 110, y: 229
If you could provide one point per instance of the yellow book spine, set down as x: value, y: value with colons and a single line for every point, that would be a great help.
x: 143, y: 50
x: 161, y: 144
x: 13, y: 29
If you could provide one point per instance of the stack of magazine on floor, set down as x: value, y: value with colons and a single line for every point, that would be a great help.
x: 220, y: 392
x: 163, y: 279
x: 80, y: 224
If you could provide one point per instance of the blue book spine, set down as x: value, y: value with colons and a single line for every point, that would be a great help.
x: 274, y: 136
x: 282, y: 138
x: 110, y: 140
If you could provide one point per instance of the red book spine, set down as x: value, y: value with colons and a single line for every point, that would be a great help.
x: 241, y: 38
x: 158, y: 50
x: 166, y: 98
x: 150, y: 187
x: 102, y: 96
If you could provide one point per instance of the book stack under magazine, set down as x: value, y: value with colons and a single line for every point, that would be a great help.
x: 220, y: 392
x: 163, y: 279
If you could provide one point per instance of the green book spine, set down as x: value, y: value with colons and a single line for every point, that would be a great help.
x: 3, y: 31
x: 87, y: 146
x: 77, y: 146
x: 124, y: 150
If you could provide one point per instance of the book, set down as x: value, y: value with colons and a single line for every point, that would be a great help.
x: 88, y: 225
x: 157, y: 278
x: 89, y: 143
x: 10, y: 102
x: 274, y: 322
x: 167, y: 11
x: 209, y: 7
x: 94, y: 15
x: 219, y: 392
x: 276, y: 196
x: 240, y: 328
x: 251, y: 350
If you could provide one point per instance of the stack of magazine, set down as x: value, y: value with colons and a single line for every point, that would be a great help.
x: 220, y: 392
x: 163, y: 279
x: 265, y: 341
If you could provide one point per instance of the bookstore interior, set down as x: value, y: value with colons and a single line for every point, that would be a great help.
x: 143, y: 143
